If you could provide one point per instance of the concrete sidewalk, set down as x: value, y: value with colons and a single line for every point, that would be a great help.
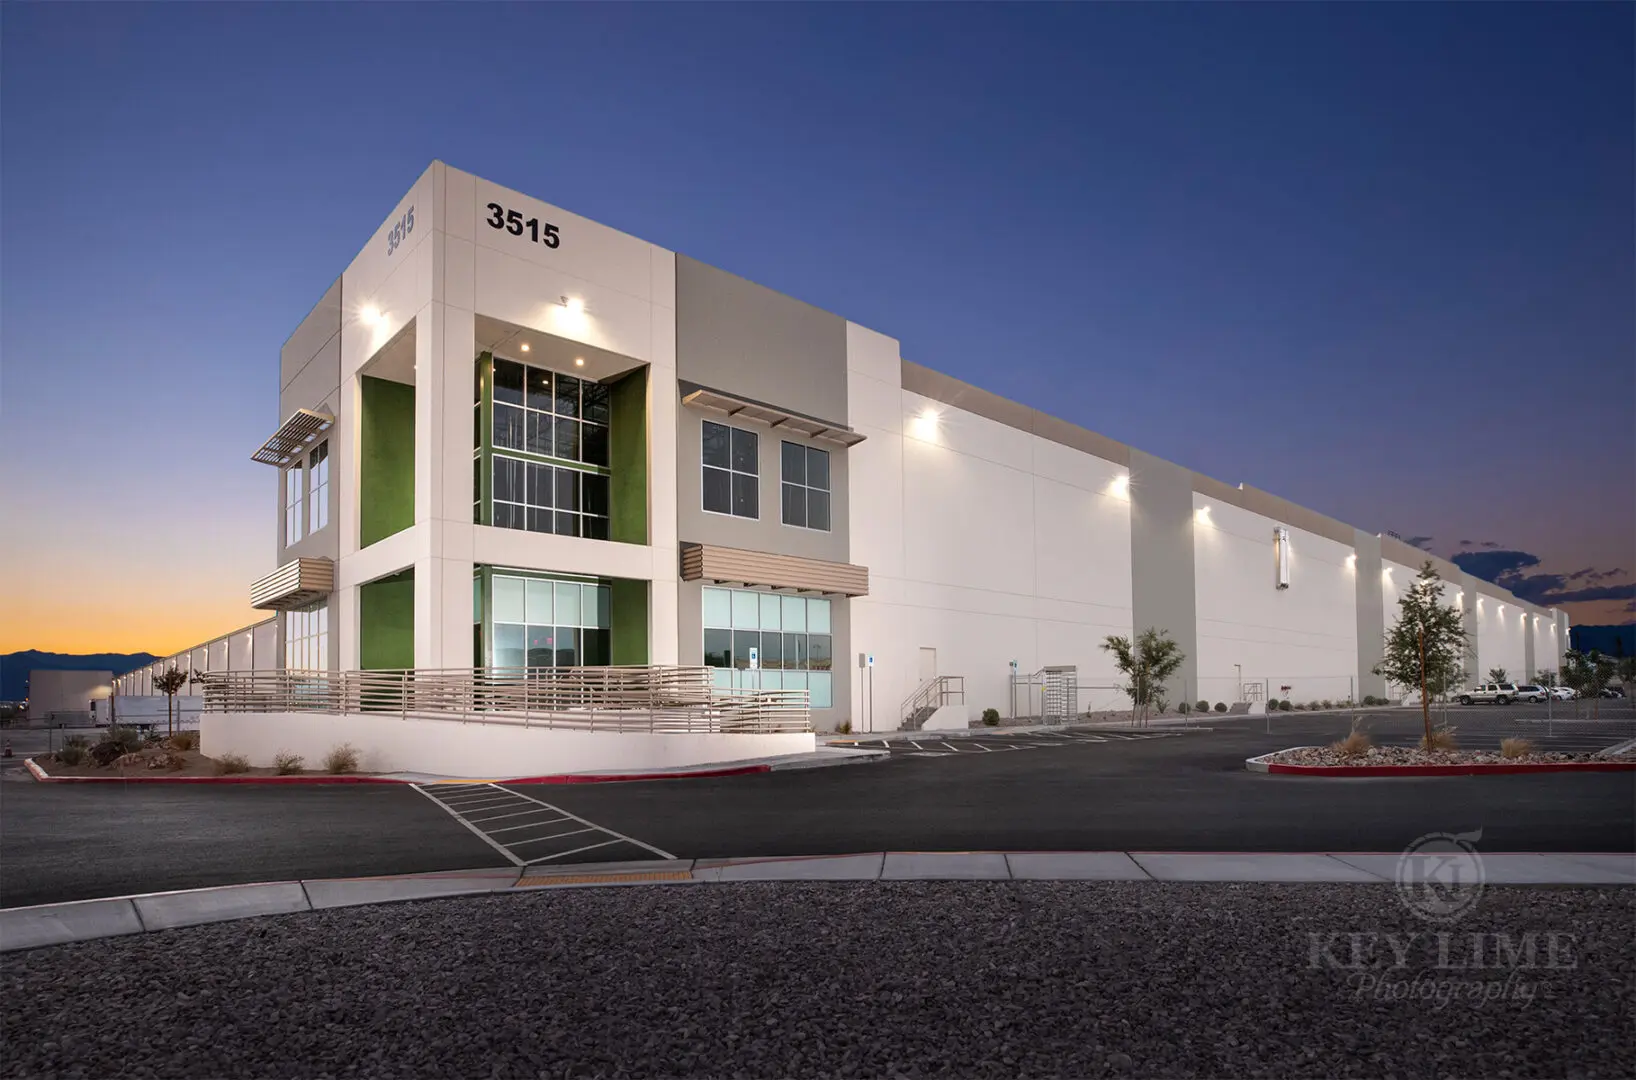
x: 85, y: 920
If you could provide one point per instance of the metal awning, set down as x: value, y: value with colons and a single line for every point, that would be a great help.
x: 772, y: 416
x: 293, y: 437
x: 297, y: 583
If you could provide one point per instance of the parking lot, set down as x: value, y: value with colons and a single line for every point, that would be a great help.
x: 935, y: 744
x: 1086, y: 790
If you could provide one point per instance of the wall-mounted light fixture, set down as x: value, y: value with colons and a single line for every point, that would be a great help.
x: 924, y: 426
x: 370, y: 315
x: 574, y: 304
x: 1119, y: 488
x: 1280, y: 543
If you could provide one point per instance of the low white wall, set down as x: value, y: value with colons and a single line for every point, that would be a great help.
x: 388, y: 744
x: 947, y: 718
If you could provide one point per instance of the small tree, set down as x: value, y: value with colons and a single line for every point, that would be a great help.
x: 1427, y: 645
x: 1588, y: 674
x: 1546, y: 679
x: 169, y: 683
x: 1497, y: 674
x: 1626, y: 669
x: 1148, y: 664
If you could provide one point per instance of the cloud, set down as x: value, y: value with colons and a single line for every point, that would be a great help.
x: 1466, y: 543
x: 1491, y: 543
x: 1421, y: 542
x: 1505, y: 569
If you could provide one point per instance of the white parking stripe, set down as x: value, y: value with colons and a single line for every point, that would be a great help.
x: 528, y: 825
x: 630, y: 840
x: 553, y: 836
x: 576, y: 851
x: 475, y: 830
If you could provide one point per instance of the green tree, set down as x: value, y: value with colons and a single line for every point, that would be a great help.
x: 1588, y: 674
x: 1497, y: 674
x: 169, y: 683
x: 1149, y: 664
x: 1427, y: 646
x: 1546, y: 679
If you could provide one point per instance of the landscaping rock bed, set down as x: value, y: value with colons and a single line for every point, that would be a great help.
x: 1412, y: 755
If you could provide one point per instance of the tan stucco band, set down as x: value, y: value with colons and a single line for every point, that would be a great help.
x: 918, y: 379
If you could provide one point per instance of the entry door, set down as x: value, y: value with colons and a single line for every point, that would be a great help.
x: 928, y: 665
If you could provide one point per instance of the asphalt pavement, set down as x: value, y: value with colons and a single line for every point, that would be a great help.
x: 1187, y: 792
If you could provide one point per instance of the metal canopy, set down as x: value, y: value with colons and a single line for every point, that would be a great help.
x: 293, y: 437
x: 297, y: 583
x: 774, y: 417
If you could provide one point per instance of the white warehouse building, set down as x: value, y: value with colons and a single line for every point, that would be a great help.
x: 510, y: 436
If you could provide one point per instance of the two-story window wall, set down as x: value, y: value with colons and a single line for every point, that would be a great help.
x: 549, y: 451
x: 786, y: 638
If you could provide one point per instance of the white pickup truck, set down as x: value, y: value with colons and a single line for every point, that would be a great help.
x: 1495, y: 693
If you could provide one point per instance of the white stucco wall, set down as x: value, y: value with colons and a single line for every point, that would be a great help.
x: 1303, y: 637
x: 388, y: 744
x: 1500, y: 631
x: 984, y: 542
x: 1545, y: 644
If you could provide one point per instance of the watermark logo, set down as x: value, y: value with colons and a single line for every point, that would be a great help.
x: 1440, y: 876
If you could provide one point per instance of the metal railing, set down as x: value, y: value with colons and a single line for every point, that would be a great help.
x: 632, y: 699
x: 934, y: 693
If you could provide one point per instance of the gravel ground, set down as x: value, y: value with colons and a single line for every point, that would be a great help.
x: 878, y: 980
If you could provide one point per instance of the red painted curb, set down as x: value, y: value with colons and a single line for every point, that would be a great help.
x: 587, y: 778
x: 1451, y: 770
x: 612, y: 778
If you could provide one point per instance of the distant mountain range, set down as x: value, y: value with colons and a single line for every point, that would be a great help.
x: 1607, y: 640
x: 14, y: 667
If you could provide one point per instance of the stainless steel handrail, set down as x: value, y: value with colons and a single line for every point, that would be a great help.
x: 633, y: 699
x: 935, y: 692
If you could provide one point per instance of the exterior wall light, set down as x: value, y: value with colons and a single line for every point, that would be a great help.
x: 523, y: 346
x: 579, y: 361
x: 925, y: 425
x: 574, y: 304
x: 370, y: 315
x: 1120, y: 487
x: 1280, y: 542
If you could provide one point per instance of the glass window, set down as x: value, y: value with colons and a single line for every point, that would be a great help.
x: 805, y: 487
x: 746, y: 610
x: 540, y: 438
x: 743, y: 642
x: 539, y: 601
x: 795, y: 613
x: 567, y: 395
x: 539, y: 389
x: 508, y: 382
x: 510, y: 599
x: 596, y: 647
x: 731, y: 476
x: 567, y: 646
x: 593, y: 444
x: 567, y: 439
x: 818, y: 656
x: 292, y: 504
x: 820, y: 691
x: 718, y: 607
x: 594, y: 495
x: 598, y: 602
x: 568, y: 605
x: 772, y: 651
x: 595, y: 397
x: 306, y: 638
x: 510, y: 645
x: 510, y: 432
x: 718, y: 648
x: 770, y: 608
x: 818, y: 616
x: 541, y: 646
x: 318, y: 488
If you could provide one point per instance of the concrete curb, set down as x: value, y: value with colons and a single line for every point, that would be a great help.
x: 841, y: 757
x: 1264, y: 764
x: 88, y: 920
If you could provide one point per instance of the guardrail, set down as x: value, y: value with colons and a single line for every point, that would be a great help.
x: 632, y: 699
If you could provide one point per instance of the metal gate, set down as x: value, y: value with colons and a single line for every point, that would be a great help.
x: 1060, y: 702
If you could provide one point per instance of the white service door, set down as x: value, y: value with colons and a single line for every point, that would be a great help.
x: 928, y: 665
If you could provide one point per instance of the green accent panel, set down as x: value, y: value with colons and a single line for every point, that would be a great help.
x: 386, y: 623
x: 628, y: 637
x: 628, y: 457
x: 386, y: 463
x: 485, y: 445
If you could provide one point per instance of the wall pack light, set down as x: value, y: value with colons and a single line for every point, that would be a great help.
x: 1281, y: 549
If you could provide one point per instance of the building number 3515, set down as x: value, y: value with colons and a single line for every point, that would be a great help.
x: 400, y: 232
x: 512, y: 222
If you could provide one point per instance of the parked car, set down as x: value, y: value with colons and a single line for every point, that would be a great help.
x: 1613, y: 691
x: 1502, y: 693
x: 1531, y: 693
x: 1563, y: 693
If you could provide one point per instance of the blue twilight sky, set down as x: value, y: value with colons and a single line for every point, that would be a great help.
x: 1375, y: 258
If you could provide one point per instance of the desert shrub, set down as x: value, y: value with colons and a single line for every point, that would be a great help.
x: 71, y: 754
x: 1284, y: 705
x: 1272, y: 704
x: 151, y: 738
x: 1355, y: 744
x: 844, y: 728
x: 1325, y: 704
x: 105, y: 753
x: 232, y: 763
x: 287, y: 763
x: 129, y: 740
x: 1442, y: 738
x: 79, y: 741
x: 1221, y: 706
x: 1515, y: 748
x: 184, y: 740
x: 170, y: 761
x: 991, y: 717
x: 1202, y: 706
x: 342, y: 759
x: 1184, y: 708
